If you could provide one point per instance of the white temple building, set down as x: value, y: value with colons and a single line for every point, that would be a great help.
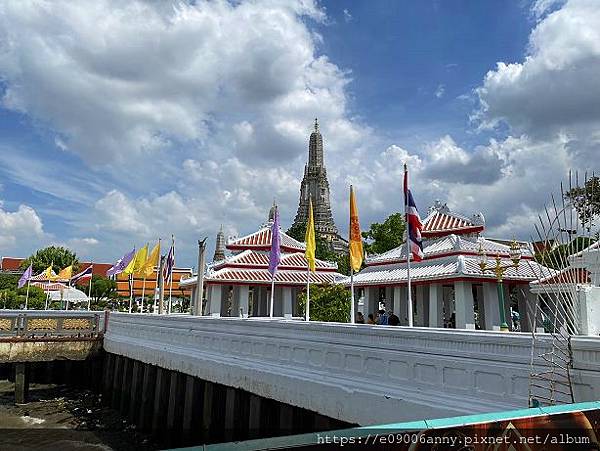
x: 449, y: 288
x: 240, y: 284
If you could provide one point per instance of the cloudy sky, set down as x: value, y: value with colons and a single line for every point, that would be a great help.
x: 124, y: 121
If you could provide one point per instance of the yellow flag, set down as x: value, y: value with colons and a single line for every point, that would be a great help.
x: 151, y: 261
x: 137, y: 262
x: 356, y: 248
x: 309, y: 238
x: 65, y: 273
x: 49, y: 273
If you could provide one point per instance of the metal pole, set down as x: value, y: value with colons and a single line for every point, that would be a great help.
x: 352, y: 313
x: 308, y: 292
x: 408, y: 252
x: 197, y: 307
x: 161, y: 284
x: 90, y: 288
x: 143, y: 292
x: 27, y: 295
x: 272, y: 295
x: 130, y: 280
x: 171, y: 275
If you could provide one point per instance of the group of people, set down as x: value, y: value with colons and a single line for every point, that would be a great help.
x: 381, y: 318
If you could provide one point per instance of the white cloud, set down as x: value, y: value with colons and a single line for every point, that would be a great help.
x: 19, y: 227
x: 440, y: 90
x: 119, y: 79
x: 556, y: 88
x: 347, y: 15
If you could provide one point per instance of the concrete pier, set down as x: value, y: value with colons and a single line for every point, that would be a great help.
x: 180, y: 410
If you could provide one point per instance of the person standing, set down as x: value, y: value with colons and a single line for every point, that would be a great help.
x: 393, y: 320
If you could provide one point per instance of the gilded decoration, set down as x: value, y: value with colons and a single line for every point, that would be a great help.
x: 76, y: 324
x: 5, y: 324
x: 42, y: 324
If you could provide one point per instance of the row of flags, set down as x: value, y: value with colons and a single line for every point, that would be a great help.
x: 64, y: 275
x: 142, y: 264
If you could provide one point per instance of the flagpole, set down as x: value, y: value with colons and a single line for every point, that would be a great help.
x: 308, y: 292
x: 27, y: 294
x: 408, y: 249
x: 90, y: 288
x: 171, y: 274
x: 143, y: 292
x: 352, y: 312
x: 272, y: 292
x: 129, y: 279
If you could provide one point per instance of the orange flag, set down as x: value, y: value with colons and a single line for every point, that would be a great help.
x: 356, y: 247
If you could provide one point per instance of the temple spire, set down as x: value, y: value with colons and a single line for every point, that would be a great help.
x: 220, y: 246
x: 316, y: 186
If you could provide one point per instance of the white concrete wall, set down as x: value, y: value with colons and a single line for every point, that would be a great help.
x: 357, y: 373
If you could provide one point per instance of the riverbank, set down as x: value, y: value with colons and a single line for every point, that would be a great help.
x: 65, y: 418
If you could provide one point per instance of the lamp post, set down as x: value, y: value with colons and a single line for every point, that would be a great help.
x: 499, y: 269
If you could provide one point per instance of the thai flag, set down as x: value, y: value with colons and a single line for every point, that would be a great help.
x: 169, y: 264
x: 413, y: 222
x: 83, y: 276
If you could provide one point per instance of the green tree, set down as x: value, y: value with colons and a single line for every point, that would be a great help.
x: 385, y: 236
x: 15, y: 299
x: 329, y: 303
x: 586, y: 200
x: 57, y: 256
x: 324, y: 250
x: 556, y: 258
x: 9, y: 281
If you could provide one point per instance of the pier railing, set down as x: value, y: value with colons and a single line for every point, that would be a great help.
x: 33, y: 324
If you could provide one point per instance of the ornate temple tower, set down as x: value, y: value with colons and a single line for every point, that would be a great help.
x: 315, y: 185
x: 220, y: 246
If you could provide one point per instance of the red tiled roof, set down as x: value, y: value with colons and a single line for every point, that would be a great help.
x: 14, y: 263
x: 250, y: 258
x: 10, y: 263
x: 49, y: 287
x: 261, y: 240
x: 565, y: 276
x: 262, y: 276
x: 440, y: 224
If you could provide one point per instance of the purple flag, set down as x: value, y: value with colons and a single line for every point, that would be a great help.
x: 275, y: 256
x: 25, y: 277
x: 120, y: 265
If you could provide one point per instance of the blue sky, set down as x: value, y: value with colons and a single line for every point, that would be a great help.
x: 130, y: 121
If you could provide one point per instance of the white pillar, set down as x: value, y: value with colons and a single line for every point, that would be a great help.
x: 287, y: 302
x: 216, y: 292
x: 370, y: 301
x: 389, y: 298
x: 490, y: 302
x: 396, y: 302
x: 507, y: 304
x: 463, y: 297
x: 400, y: 304
x: 242, y: 299
x: 435, y: 305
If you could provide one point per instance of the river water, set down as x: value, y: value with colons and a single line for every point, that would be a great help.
x: 63, y: 418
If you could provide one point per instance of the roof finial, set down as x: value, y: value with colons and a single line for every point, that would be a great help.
x: 316, y: 125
